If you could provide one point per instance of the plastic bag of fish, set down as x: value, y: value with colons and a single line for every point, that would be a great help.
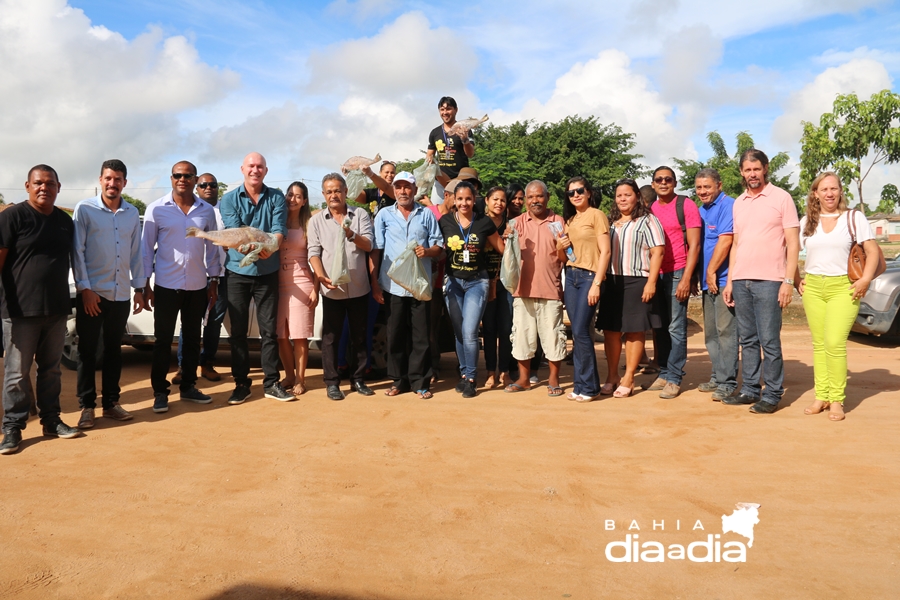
x: 408, y: 272
x: 356, y: 183
x: 425, y: 175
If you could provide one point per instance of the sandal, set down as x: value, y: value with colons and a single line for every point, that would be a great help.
x: 491, y: 381
x: 816, y: 407
x: 572, y: 396
x: 623, y: 392
x: 514, y: 388
x: 425, y: 394
x: 584, y: 398
x: 554, y: 390
x: 836, y: 415
x: 392, y: 391
x: 299, y: 389
x: 607, y: 388
x: 649, y: 370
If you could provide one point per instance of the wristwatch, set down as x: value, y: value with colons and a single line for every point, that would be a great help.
x: 789, y: 281
x: 352, y: 237
x: 138, y: 290
x: 216, y: 279
x: 597, y: 283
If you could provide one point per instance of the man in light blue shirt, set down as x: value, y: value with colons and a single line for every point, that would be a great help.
x: 187, y: 277
x: 408, y: 359
x: 106, y: 263
x: 719, y: 325
x: 254, y: 204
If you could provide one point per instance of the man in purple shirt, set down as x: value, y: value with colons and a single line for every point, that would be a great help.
x: 187, y: 271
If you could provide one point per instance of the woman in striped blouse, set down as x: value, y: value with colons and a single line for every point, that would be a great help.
x: 626, y: 306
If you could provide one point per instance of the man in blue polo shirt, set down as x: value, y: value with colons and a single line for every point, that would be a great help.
x: 719, y: 325
x: 408, y: 318
x: 254, y: 204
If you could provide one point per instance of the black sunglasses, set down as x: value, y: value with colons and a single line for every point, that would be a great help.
x: 207, y: 184
x: 664, y: 180
x: 177, y: 176
x: 571, y: 193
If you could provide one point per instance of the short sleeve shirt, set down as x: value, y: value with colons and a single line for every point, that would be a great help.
x: 759, y: 225
x: 827, y: 253
x: 718, y: 220
x: 583, y: 229
x: 541, y: 267
x: 675, y: 256
x: 630, y: 243
x: 458, y: 239
x: 448, y: 151
x: 36, y: 272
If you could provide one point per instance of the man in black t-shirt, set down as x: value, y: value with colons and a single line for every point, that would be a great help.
x: 451, y: 152
x: 35, y: 245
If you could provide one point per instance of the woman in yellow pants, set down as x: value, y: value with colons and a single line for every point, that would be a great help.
x: 830, y: 299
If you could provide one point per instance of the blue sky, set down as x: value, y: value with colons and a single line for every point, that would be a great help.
x: 310, y: 84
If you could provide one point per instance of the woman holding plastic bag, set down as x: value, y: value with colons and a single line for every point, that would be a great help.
x: 496, y: 323
x: 466, y: 237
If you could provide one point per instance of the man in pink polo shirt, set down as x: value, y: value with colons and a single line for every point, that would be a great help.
x: 764, y: 256
x: 537, y: 302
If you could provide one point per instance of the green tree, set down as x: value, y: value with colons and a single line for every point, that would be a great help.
x: 730, y: 171
x: 554, y: 152
x: 223, y: 187
x: 135, y: 203
x: 853, y: 132
x: 2, y: 200
x: 890, y: 199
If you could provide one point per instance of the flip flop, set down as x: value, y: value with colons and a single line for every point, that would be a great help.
x: 623, y: 392
x: 554, y: 390
x: 392, y: 391
x: 514, y: 388
x: 425, y: 394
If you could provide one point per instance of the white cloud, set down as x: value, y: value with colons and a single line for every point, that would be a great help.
x: 361, y: 10
x: 862, y: 77
x: 834, y: 57
x: 75, y: 94
x: 607, y: 87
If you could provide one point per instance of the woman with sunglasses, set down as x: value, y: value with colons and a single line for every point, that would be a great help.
x: 626, y: 307
x: 496, y: 323
x: 466, y: 237
x: 297, y: 293
x: 584, y: 247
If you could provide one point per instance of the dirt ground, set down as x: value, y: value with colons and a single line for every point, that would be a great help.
x: 499, y: 496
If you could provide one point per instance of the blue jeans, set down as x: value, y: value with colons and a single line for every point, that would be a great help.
x: 212, y: 332
x: 720, y: 333
x: 759, y: 327
x: 30, y: 340
x: 465, y: 303
x: 496, y: 326
x: 581, y: 315
x: 671, y: 339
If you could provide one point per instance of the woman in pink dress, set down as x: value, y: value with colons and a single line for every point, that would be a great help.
x: 297, y: 292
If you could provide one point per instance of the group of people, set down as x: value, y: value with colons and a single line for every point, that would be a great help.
x: 627, y: 273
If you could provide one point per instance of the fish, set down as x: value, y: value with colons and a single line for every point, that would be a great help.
x: 461, y: 128
x: 355, y: 163
x: 241, y: 239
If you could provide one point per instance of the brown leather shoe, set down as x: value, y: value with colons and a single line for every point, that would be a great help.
x: 177, y: 379
x: 87, y: 418
x: 209, y: 372
x: 118, y: 413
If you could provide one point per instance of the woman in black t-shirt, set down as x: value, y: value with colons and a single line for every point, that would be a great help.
x: 383, y: 192
x: 466, y: 237
x: 496, y: 323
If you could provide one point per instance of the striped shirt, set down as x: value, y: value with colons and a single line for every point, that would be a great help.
x: 631, y: 242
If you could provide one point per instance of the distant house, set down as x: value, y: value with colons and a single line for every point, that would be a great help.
x: 885, y: 227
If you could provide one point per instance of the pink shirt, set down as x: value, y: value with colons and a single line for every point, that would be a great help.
x: 759, y: 224
x: 541, y: 266
x: 675, y: 255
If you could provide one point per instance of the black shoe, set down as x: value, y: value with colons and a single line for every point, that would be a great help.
x: 277, y: 392
x: 195, y: 395
x: 362, y: 389
x: 469, y: 390
x: 335, y: 393
x: 763, y: 408
x: 161, y: 403
x: 240, y: 393
x: 12, y: 437
x: 739, y: 399
x: 61, y: 430
x: 461, y: 385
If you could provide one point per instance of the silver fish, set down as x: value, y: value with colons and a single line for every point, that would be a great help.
x: 461, y: 128
x: 355, y: 163
x: 239, y: 238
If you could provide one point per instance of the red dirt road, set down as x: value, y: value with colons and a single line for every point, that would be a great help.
x: 499, y: 496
